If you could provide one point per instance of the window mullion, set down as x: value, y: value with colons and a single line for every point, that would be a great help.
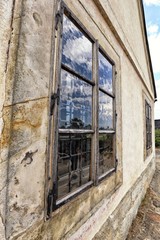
x: 95, y: 143
x: 114, y: 115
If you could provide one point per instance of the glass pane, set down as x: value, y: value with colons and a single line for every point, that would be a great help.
x: 106, y: 158
x: 75, y: 103
x: 105, y: 111
x: 76, y: 49
x: 74, y: 160
x: 105, y: 73
x: 85, y: 176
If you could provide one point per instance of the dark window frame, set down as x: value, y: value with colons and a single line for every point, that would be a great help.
x: 148, y: 125
x: 95, y: 180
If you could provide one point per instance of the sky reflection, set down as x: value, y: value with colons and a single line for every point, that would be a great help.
x: 76, y: 49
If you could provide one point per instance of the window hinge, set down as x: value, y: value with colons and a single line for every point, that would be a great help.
x: 116, y: 164
x: 51, y: 200
x: 54, y: 97
x: 58, y: 18
x: 49, y: 203
x: 116, y: 115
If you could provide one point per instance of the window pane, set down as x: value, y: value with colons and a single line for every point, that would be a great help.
x: 105, y: 111
x: 76, y: 49
x: 74, y: 159
x: 105, y: 73
x: 106, y: 159
x: 75, y: 103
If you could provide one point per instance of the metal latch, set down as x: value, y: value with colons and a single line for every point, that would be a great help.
x: 58, y: 18
x: 116, y: 164
x: 54, y: 97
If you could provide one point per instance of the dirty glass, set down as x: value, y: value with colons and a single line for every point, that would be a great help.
x: 105, y: 111
x: 74, y: 160
x: 76, y: 49
x: 106, y: 160
x: 105, y: 74
x: 75, y: 103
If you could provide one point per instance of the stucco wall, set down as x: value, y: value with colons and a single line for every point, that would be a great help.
x: 25, y: 75
x: 129, y: 20
x: 126, y: 18
x: 25, y: 85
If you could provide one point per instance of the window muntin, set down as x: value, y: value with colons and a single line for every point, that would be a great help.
x: 76, y: 49
x: 148, y: 125
x: 76, y: 164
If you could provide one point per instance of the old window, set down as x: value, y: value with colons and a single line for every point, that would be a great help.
x: 148, y: 117
x: 84, y: 143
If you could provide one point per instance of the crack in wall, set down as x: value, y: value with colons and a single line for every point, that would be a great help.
x: 26, y: 101
x: 13, y: 44
x: 9, y: 42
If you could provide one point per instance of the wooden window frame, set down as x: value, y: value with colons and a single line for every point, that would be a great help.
x: 52, y: 202
x: 148, y: 128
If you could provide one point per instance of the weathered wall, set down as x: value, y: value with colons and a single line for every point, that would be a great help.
x: 130, y: 26
x: 127, y: 21
x: 118, y: 224
x: 6, y: 16
x: 106, y: 222
x: 25, y: 75
x: 25, y: 72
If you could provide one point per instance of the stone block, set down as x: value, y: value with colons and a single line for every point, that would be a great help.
x: 26, y: 178
x: 106, y: 232
x: 29, y: 124
x: 33, y: 58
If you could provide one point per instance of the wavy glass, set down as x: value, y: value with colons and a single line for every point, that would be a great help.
x: 75, y: 103
x: 105, y: 74
x: 76, y: 49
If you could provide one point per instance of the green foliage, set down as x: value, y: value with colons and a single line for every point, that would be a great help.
x: 157, y: 137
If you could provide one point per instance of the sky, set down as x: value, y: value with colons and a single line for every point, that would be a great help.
x: 152, y: 15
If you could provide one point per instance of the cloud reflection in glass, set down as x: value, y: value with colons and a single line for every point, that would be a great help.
x: 105, y: 73
x: 105, y: 111
x: 75, y: 103
x: 76, y: 49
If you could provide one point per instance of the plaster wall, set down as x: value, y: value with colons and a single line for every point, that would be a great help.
x: 27, y: 41
x: 5, y: 32
x: 24, y: 77
x: 127, y: 21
